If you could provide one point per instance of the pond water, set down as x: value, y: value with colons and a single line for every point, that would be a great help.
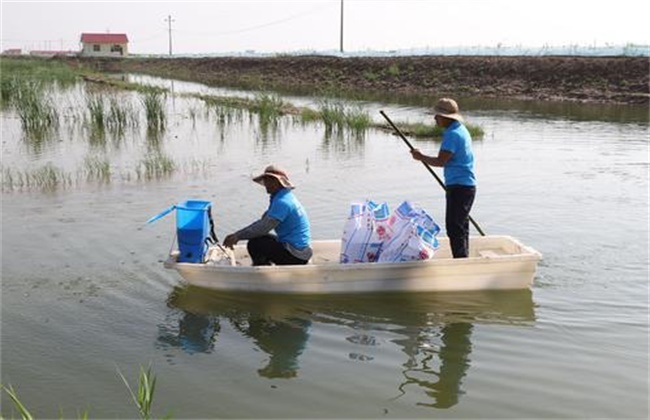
x: 85, y: 296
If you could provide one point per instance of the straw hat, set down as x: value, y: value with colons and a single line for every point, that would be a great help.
x: 277, y: 173
x: 448, y: 108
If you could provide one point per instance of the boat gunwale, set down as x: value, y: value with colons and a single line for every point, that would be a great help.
x: 526, y: 254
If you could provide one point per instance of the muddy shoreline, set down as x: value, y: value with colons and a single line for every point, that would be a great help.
x: 607, y: 80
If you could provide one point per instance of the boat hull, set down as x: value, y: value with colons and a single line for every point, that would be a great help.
x: 496, y: 262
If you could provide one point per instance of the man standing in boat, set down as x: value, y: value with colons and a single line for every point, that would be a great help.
x: 457, y: 159
x: 285, y: 215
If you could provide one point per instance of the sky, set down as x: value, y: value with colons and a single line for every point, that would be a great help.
x: 217, y: 27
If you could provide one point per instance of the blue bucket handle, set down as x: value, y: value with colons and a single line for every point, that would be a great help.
x: 162, y: 214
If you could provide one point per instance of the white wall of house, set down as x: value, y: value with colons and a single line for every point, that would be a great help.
x: 104, y: 50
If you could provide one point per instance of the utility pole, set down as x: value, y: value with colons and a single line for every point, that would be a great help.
x: 169, y: 21
x: 341, y: 27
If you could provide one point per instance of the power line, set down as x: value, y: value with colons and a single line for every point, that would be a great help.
x: 263, y: 25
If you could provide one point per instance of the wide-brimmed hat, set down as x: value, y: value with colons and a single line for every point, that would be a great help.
x: 448, y: 108
x: 277, y: 173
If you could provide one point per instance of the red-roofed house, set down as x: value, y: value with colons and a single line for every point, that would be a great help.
x: 104, y: 45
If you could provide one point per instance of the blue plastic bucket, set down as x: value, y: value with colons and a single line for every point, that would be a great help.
x: 192, y: 229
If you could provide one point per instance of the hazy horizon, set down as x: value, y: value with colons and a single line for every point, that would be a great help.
x: 214, y: 27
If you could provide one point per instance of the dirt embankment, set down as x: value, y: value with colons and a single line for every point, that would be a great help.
x: 613, y: 80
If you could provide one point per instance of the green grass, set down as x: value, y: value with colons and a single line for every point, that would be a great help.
x: 142, y: 397
x: 20, y: 407
x: 338, y: 116
x: 46, y: 70
x: 269, y: 107
x: 421, y: 130
x: 95, y: 106
x: 110, y: 115
x: 97, y: 169
x: 35, y: 107
x: 155, y: 166
x: 154, y: 108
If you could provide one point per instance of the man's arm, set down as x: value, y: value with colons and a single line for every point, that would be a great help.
x: 440, y: 160
x: 257, y: 228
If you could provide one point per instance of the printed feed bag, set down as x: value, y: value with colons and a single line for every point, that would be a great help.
x: 412, y: 235
x: 363, y: 232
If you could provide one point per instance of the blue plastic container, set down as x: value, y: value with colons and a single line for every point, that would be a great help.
x: 192, y: 229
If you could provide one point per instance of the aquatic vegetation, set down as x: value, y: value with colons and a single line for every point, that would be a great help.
x: 95, y: 105
x: 421, y: 130
x: 42, y: 69
x: 309, y: 115
x: 143, y: 398
x: 269, y: 107
x: 9, y: 90
x: 120, y: 116
x: 20, y: 407
x: 97, y: 168
x: 155, y: 166
x: 225, y: 114
x: 154, y: 107
x: 114, y: 117
x: 357, y: 119
x: 48, y: 178
x: 146, y: 387
x: 228, y: 109
x: 35, y: 108
x: 99, y: 112
x: 336, y: 115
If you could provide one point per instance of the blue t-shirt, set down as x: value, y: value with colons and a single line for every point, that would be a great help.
x: 294, y: 225
x: 459, y: 170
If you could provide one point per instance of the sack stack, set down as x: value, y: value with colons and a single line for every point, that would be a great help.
x: 371, y: 235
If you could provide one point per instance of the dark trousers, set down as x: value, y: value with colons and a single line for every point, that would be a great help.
x: 459, y: 202
x: 266, y: 249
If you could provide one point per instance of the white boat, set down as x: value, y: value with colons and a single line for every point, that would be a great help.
x: 495, y: 262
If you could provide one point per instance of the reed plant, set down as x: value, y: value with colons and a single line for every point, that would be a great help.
x: 35, y: 108
x: 154, y: 107
x: 336, y: 115
x: 142, y: 397
x: 20, y: 407
x: 309, y: 115
x: 226, y: 115
x: 97, y: 169
x: 42, y: 69
x: 9, y: 90
x: 268, y: 107
x: 120, y: 116
x: 96, y: 112
x: 422, y: 130
x: 357, y: 119
x: 332, y: 114
x: 155, y: 166
x: 47, y: 178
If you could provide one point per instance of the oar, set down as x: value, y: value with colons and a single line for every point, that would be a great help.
x: 442, y: 184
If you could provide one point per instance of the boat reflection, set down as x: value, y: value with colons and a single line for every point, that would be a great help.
x: 433, y: 330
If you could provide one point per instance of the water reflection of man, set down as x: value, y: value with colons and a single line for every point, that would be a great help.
x: 195, y: 334
x: 454, y: 363
x: 283, y: 341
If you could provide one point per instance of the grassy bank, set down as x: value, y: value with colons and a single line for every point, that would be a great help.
x: 613, y: 80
